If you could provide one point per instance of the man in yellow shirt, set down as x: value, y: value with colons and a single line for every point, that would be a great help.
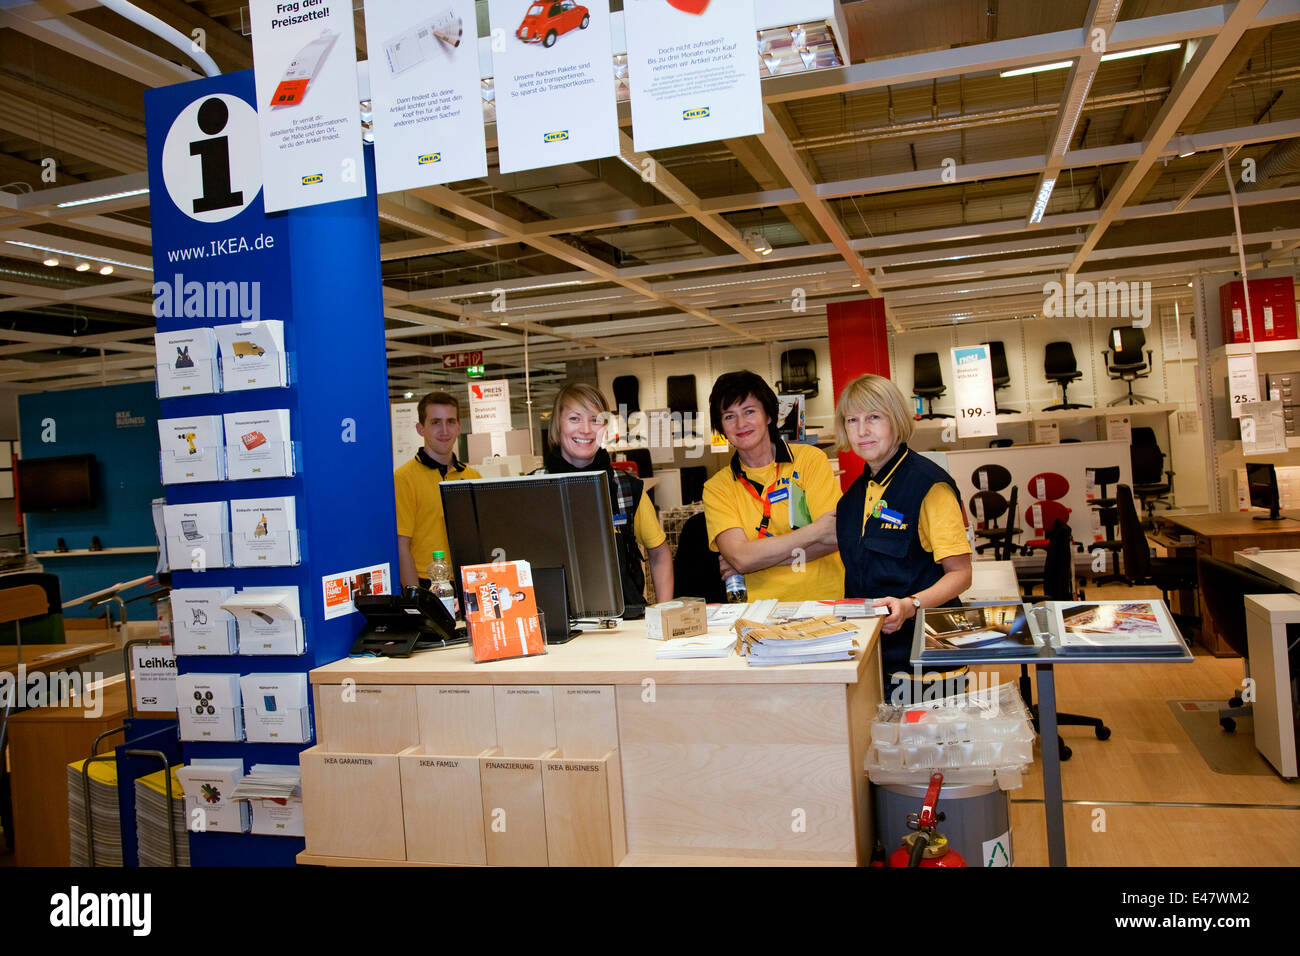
x: 771, y: 514
x: 421, y: 527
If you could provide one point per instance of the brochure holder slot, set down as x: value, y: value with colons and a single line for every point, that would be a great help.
x: 584, y: 810
x: 199, y: 553
x: 442, y: 807
x: 352, y: 804
x: 200, y: 377
x: 514, y: 811
x: 288, y: 452
x: 275, y: 549
x: 231, y: 382
x: 184, y: 470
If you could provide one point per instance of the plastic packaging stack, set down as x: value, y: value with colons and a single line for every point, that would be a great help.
x: 979, y: 737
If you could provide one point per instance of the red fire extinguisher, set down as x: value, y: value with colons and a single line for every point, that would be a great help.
x: 926, y: 846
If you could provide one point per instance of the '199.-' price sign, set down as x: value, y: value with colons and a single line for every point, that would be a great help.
x: 973, y: 378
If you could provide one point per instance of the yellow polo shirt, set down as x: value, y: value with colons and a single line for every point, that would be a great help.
x: 645, y: 525
x: 419, y: 508
x: 728, y: 505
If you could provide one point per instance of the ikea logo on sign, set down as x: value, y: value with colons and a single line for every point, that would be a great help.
x: 557, y: 136
x: 700, y: 113
x: 428, y: 158
x: 313, y: 179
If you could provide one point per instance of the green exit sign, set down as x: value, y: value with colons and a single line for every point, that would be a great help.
x: 475, y: 371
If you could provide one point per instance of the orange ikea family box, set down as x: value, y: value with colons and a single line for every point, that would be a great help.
x: 501, y: 611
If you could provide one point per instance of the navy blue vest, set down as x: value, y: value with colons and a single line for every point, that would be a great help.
x: 887, y: 560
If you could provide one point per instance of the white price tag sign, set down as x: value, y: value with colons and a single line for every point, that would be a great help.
x: 1263, y: 432
x: 1243, y: 382
x: 973, y: 378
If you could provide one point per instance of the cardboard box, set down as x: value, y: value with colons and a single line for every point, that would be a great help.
x: 501, y: 611
x: 685, y: 617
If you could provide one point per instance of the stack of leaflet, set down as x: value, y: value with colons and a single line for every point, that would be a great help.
x: 198, y: 535
x: 771, y: 611
x: 105, y: 815
x: 702, y: 645
x: 982, y: 736
x: 153, y: 816
x: 269, y: 620
x: 252, y: 355
x: 258, y: 444
x: 191, y: 449
x: 186, y: 362
x: 264, y: 532
x: 210, y: 804
x: 814, y: 641
x: 199, y: 624
x: 274, y: 791
x: 1113, y: 628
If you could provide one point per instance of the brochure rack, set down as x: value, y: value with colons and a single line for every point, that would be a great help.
x: 318, y: 274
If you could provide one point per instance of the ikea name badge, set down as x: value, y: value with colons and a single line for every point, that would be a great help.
x: 973, y: 390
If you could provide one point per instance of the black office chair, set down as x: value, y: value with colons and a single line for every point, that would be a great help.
x: 1001, y: 375
x: 798, y: 373
x: 1148, y: 465
x: 1167, y: 574
x: 1104, y: 504
x: 627, y: 393
x: 1124, y: 361
x: 695, y: 566
x: 683, y: 399
x: 693, y: 479
x: 1059, y: 366
x: 1001, y: 443
x: 1058, y: 585
x: 927, y: 380
x: 988, y: 507
x: 1226, y: 587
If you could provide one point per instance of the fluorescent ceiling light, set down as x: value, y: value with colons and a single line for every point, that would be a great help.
x: 1040, y: 68
x: 1143, y: 51
x: 1040, y: 204
x: 105, y: 198
x: 78, y: 255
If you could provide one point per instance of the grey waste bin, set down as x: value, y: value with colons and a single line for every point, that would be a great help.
x: 977, y: 819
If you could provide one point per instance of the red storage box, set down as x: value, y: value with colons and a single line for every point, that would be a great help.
x: 1272, y: 310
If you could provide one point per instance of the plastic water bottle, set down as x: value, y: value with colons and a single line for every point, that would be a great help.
x: 440, y: 581
x: 736, y: 593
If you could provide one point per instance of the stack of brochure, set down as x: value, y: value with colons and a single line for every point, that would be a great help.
x: 269, y: 620
x: 1114, y: 628
x: 210, y: 804
x: 199, y: 623
x: 252, y: 355
x: 264, y: 532
x: 153, y: 816
x: 198, y: 535
x: 274, y: 792
x: 702, y: 645
x: 191, y: 449
x: 258, y: 444
x: 186, y: 363
x: 814, y: 641
x: 105, y: 815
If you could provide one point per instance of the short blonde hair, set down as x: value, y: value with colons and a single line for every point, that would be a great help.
x: 873, y: 393
x: 576, y: 393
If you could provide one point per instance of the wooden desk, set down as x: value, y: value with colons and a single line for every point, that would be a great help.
x: 48, y: 657
x: 42, y: 742
x: 1220, y: 535
x: 718, y: 760
x: 1280, y: 566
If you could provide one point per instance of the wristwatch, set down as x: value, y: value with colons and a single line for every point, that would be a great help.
x: 916, y: 603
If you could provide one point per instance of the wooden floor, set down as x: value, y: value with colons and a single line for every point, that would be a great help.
x: 1146, y: 796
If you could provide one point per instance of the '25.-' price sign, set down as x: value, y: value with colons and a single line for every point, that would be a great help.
x: 1243, y: 382
x: 973, y: 388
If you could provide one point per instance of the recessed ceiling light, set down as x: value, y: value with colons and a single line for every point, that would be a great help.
x: 106, y: 270
x: 51, y: 261
x: 409, y: 395
x: 83, y: 266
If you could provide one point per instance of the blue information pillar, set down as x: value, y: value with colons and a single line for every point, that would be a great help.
x: 317, y: 270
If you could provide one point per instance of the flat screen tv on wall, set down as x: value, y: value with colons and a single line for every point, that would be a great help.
x: 62, y: 483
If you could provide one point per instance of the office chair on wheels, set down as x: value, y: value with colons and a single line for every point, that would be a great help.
x: 798, y: 373
x: 1108, y: 516
x: 1124, y: 361
x: 988, y: 507
x: 1001, y: 375
x: 927, y: 380
x: 1148, y: 462
x: 1167, y: 574
x: 1060, y: 366
x: 1058, y: 585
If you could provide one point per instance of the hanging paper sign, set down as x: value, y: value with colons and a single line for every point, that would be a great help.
x: 489, y: 409
x: 308, y: 106
x: 1263, y: 431
x: 973, y: 387
x: 425, y: 93
x: 1243, y: 382
x: 692, y: 71
x: 552, y: 66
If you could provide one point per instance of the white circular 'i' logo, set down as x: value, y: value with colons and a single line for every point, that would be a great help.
x: 210, y: 159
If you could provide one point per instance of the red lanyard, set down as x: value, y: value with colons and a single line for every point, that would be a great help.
x: 765, y: 501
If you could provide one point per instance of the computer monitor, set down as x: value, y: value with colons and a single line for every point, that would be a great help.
x: 1262, y: 480
x: 550, y: 521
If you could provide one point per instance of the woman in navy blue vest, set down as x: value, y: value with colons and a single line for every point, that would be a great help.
x: 900, y: 526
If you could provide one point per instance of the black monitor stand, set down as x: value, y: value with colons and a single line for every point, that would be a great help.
x: 551, y: 587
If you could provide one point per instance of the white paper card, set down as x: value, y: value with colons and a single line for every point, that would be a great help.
x: 692, y: 72
x: 198, y: 535
x: 186, y: 363
x: 275, y: 708
x: 973, y: 387
x: 208, y: 785
x: 208, y: 707
x: 554, y: 82
x: 199, y: 625
x: 153, y: 677
x: 1263, y: 429
x: 305, y: 70
x: 1243, y: 382
x: 258, y: 444
x: 264, y: 532
x: 252, y: 355
x: 269, y: 619
x: 191, y: 449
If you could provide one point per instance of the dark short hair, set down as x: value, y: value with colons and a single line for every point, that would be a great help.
x: 736, y: 387
x: 437, y: 398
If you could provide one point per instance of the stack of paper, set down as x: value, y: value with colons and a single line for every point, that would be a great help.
x: 153, y: 815
x: 1116, y: 628
x: 186, y: 363
x: 275, y: 793
x: 702, y: 645
x: 275, y: 708
x: 258, y: 444
x: 191, y: 449
x: 199, y: 623
x: 198, y: 535
x: 210, y: 803
x: 208, y: 707
x: 269, y: 619
x: 264, y: 532
x: 803, y: 642
x: 252, y: 355
x: 105, y: 815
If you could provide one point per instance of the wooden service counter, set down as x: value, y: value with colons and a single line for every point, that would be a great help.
x: 594, y: 753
